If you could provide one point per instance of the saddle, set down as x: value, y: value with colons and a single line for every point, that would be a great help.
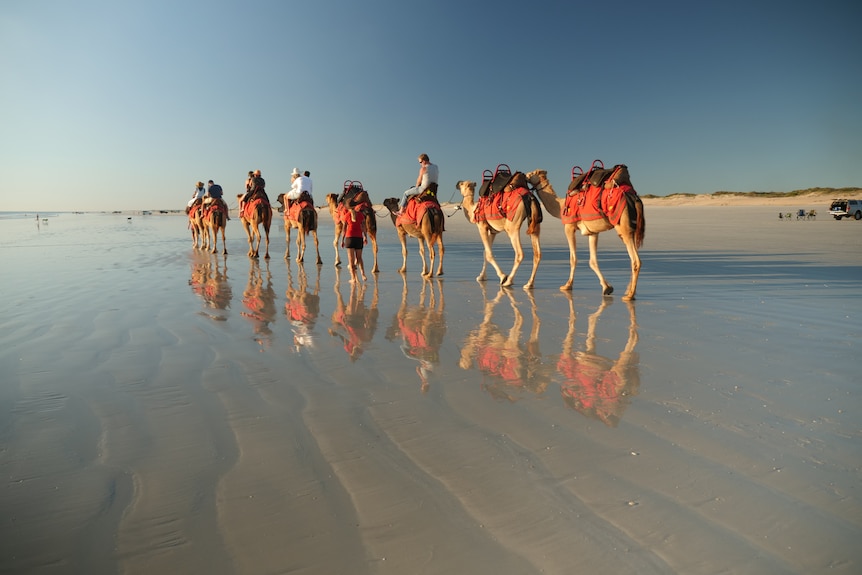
x: 501, y: 193
x: 597, y: 194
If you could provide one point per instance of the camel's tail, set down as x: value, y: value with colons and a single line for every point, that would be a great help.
x: 438, y: 221
x: 636, y: 209
x: 370, y: 221
x: 535, y: 214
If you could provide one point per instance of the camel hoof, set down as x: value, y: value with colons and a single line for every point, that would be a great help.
x: 528, y: 287
x: 608, y: 290
x: 319, y: 262
x: 628, y: 298
x: 566, y: 287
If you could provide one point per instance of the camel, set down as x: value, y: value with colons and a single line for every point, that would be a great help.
x: 215, y: 219
x: 509, y: 223
x: 196, y: 225
x: 428, y: 231
x: 630, y: 229
x: 257, y: 212
x: 594, y: 385
x: 304, y: 218
x: 335, y: 207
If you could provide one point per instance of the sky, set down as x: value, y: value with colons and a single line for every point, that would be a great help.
x: 124, y: 105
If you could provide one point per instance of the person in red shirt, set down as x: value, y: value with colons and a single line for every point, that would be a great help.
x: 355, y: 237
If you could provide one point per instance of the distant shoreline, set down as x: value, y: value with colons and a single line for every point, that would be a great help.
x: 813, y: 198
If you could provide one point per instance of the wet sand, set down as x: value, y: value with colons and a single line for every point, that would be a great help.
x: 166, y: 410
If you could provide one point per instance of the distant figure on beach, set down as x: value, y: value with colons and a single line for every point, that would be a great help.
x: 197, y: 196
x: 300, y: 184
x: 428, y: 174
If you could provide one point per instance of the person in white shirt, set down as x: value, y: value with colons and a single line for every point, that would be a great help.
x: 428, y: 174
x: 301, y: 184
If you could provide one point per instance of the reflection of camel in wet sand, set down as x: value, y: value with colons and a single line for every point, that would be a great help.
x: 215, y: 220
x: 337, y: 211
x: 212, y: 285
x: 509, y: 223
x: 354, y: 323
x: 594, y: 385
x: 302, y: 216
x: 259, y: 301
x: 421, y: 328
x: 255, y: 213
x: 302, y: 307
x: 196, y: 225
x: 429, y: 232
x: 510, y: 367
x: 630, y: 230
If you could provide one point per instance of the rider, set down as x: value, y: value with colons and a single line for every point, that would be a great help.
x: 254, y: 187
x: 428, y: 174
x: 197, y: 196
x: 301, y: 184
x: 215, y: 192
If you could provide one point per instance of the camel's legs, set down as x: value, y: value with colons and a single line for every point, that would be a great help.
x: 488, y: 237
x: 629, y: 241
x: 537, y: 257
x: 570, y: 231
x: 287, y: 228
x: 440, y: 250
x: 402, y: 237
x: 607, y: 289
x: 223, y: 243
x: 374, y: 269
x: 426, y: 271
x: 316, y: 247
x: 515, y: 239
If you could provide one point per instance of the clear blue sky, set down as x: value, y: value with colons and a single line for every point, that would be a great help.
x: 113, y: 104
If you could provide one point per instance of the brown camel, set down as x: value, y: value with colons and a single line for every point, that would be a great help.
x: 196, y: 225
x: 594, y: 385
x: 630, y: 228
x: 215, y: 219
x: 255, y: 213
x: 303, y: 217
x: 336, y: 211
x: 429, y: 232
x: 490, y: 226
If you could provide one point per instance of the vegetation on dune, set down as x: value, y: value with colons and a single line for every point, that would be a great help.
x: 830, y: 192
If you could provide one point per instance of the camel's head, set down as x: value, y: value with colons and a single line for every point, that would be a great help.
x: 391, y: 204
x: 536, y: 176
x: 331, y: 199
x: 466, y: 187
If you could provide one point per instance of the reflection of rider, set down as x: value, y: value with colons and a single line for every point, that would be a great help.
x: 594, y: 385
x: 259, y: 301
x: 510, y: 366
x: 422, y: 329
x: 354, y: 323
x: 302, y: 308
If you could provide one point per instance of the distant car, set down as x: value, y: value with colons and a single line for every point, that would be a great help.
x: 846, y: 209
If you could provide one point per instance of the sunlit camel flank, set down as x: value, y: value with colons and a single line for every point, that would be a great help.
x: 631, y: 229
x: 429, y: 232
x: 304, y: 219
x: 196, y: 225
x: 511, y: 225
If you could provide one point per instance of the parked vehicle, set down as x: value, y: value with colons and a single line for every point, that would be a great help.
x: 846, y: 209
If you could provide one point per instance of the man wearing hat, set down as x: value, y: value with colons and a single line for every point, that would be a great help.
x: 301, y: 184
x: 197, y: 196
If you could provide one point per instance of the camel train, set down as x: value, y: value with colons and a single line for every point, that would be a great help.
x: 597, y: 200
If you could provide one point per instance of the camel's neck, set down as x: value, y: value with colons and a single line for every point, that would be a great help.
x: 549, y: 199
x: 468, y: 204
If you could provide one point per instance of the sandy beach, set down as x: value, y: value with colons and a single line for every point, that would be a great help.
x: 164, y: 410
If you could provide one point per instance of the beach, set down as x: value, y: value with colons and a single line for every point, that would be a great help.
x: 168, y: 410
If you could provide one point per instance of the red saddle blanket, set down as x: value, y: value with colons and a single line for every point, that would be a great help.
x: 596, y: 203
x: 415, y: 210
x: 499, y: 205
x: 213, y: 207
x: 293, y: 211
x: 249, y: 208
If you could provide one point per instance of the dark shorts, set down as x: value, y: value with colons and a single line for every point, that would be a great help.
x: 353, y: 243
